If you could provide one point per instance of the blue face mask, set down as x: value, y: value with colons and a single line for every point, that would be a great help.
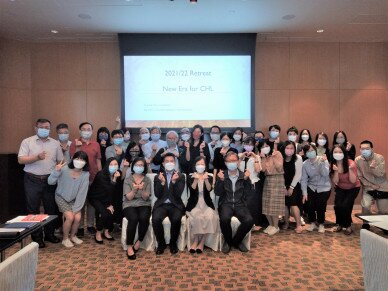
x: 43, y: 132
x: 259, y: 139
x: 63, y: 137
x: 118, y: 141
x: 366, y: 153
x: 273, y: 134
x: 113, y: 169
x: 231, y: 166
x: 138, y: 169
x: 155, y: 136
x: 311, y: 155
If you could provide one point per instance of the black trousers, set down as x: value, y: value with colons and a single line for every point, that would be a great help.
x: 37, y: 191
x: 137, y: 216
x: 104, y: 218
x: 343, y: 205
x: 118, y: 202
x: 317, y: 205
x: 175, y: 216
x: 242, y: 213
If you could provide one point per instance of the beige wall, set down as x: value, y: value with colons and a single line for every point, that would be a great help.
x: 322, y: 86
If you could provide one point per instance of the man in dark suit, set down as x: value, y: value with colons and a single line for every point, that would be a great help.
x: 168, y: 188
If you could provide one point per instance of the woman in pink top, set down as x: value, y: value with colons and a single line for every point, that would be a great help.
x: 347, y: 186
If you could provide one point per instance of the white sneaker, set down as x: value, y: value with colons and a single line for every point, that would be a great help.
x: 312, y: 227
x: 273, y: 230
x: 302, y: 222
x: 67, y: 243
x: 76, y: 240
x: 321, y: 228
x: 267, y: 229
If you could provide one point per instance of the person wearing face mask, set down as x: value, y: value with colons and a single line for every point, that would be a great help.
x: 116, y: 150
x: 341, y: 138
x: 168, y: 188
x: 127, y: 137
x: 292, y: 165
x: 92, y: 149
x: 64, y: 142
x: 292, y: 135
x: 304, y: 139
x: 203, y: 219
x: 372, y: 175
x: 252, y: 162
x: 274, y: 137
x: 39, y: 154
x: 220, y: 153
x: 237, y: 139
x: 132, y: 152
x: 322, y: 144
x: 103, y: 140
x: 232, y: 186
x: 172, y: 147
x: 316, y: 186
x: 184, y: 136
x: 145, y: 135
x: 101, y: 197
x: 72, y: 182
x: 273, y: 190
x: 215, y: 137
x: 137, y: 205
x: 152, y: 147
x: 347, y: 185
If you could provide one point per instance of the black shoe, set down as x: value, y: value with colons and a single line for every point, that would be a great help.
x: 80, y: 232
x: 52, y: 238
x: 173, y: 249
x: 132, y: 257
x: 98, y: 241
x: 199, y: 251
x: 365, y: 226
x: 41, y: 243
x: 242, y: 248
x: 225, y: 248
x: 133, y: 247
x: 192, y: 251
x: 107, y: 238
x: 160, y: 250
x: 91, y: 230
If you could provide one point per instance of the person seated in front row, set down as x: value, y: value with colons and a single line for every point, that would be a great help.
x: 233, y: 186
x: 168, y: 188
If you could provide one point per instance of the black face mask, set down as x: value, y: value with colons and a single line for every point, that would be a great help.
x: 134, y: 154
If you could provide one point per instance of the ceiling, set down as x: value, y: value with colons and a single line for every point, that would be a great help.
x: 272, y: 20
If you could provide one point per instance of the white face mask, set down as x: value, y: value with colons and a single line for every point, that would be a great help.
x: 265, y: 150
x: 237, y: 137
x: 169, y: 166
x: 215, y: 136
x: 78, y: 164
x: 321, y: 141
x: 338, y: 156
x: 200, y: 168
x: 225, y: 143
x: 305, y: 137
x: 292, y: 137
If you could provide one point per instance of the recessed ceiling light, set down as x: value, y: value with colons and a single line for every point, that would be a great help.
x: 54, y: 31
x: 320, y: 30
x: 193, y: 1
x: 288, y: 17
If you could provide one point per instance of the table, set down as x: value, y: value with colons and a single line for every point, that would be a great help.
x: 6, y: 243
x: 377, y: 220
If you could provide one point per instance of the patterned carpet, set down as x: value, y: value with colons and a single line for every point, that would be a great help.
x: 287, y: 261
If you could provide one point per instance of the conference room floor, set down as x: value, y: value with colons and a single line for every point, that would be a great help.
x: 287, y: 261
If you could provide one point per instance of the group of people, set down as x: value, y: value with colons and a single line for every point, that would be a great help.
x: 258, y: 179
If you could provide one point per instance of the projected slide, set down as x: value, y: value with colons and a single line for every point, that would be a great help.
x: 177, y: 91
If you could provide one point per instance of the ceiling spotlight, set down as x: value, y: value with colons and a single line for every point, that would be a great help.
x: 320, y: 30
x: 193, y: 1
x: 54, y: 31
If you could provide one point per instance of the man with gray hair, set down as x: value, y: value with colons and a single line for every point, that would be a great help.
x: 172, y: 139
x: 152, y: 147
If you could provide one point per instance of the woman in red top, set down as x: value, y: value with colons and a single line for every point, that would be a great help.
x: 347, y: 186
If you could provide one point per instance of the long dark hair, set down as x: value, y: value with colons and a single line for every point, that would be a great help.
x: 326, y: 146
x: 345, y: 161
x: 202, y: 136
x: 283, y: 151
x: 301, y: 133
x: 131, y: 145
x: 105, y: 169
x: 335, y: 137
x: 83, y: 156
x: 105, y: 130
x: 267, y: 142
